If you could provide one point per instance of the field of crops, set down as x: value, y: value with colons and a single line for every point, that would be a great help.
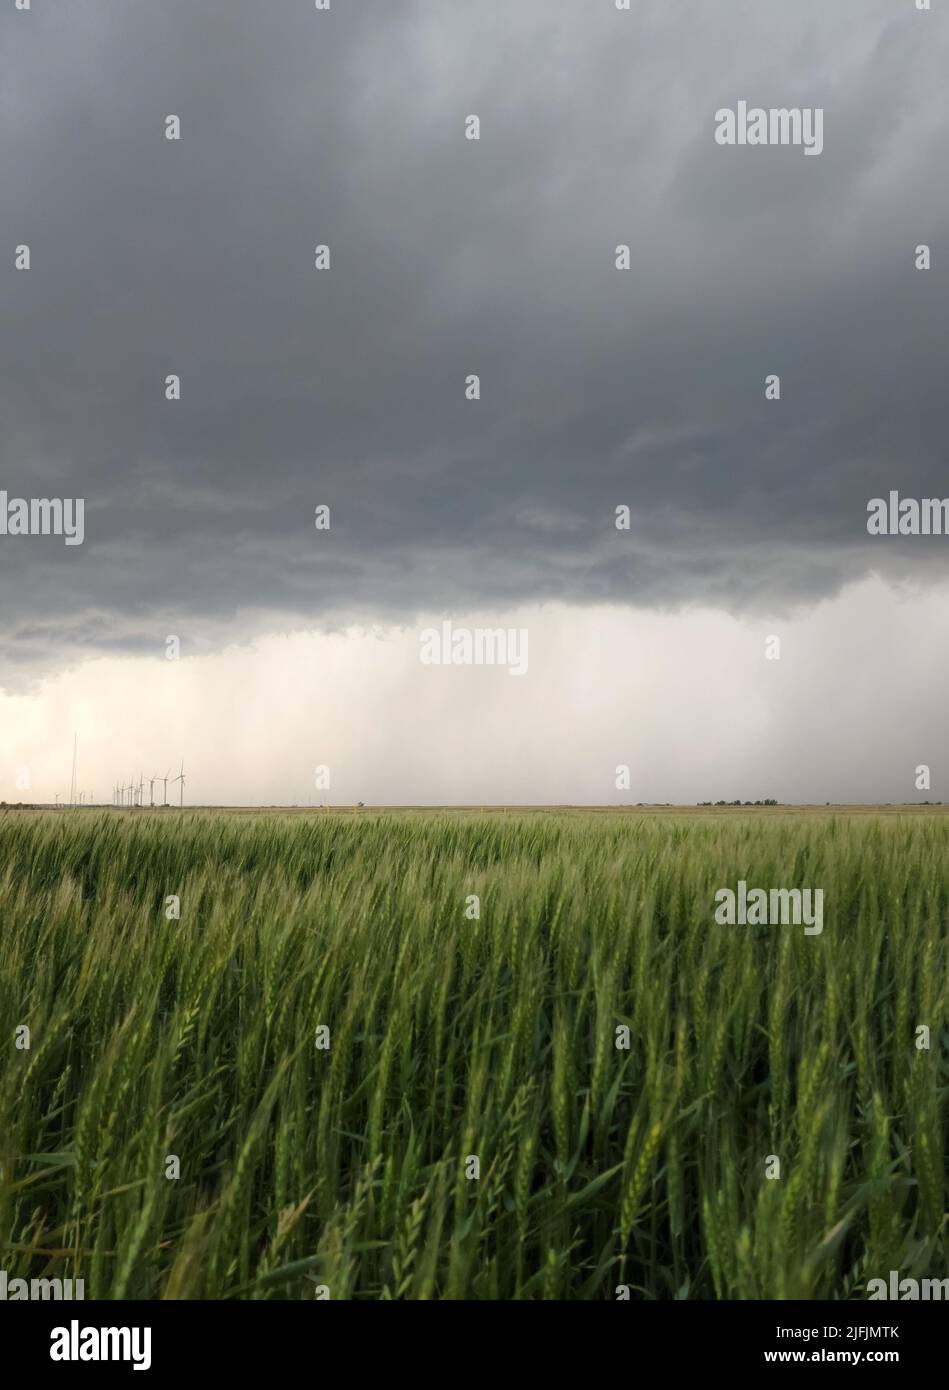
x: 342, y: 1159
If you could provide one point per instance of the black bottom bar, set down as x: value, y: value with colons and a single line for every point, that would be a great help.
x: 714, y: 1338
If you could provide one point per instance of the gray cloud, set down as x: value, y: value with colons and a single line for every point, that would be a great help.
x: 450, y: 257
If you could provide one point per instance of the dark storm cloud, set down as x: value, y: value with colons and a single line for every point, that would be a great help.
x: 599, y: 388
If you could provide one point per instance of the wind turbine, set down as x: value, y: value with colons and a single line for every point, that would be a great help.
x: 151, y: 790
x: 181, y: 790
x: 165, y: 780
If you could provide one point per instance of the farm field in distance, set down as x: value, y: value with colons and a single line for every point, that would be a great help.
x: 355, y: 1013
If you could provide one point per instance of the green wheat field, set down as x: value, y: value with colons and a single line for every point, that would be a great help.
x: 307, y: 1168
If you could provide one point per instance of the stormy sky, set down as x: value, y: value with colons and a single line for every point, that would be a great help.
x: 449, y: 257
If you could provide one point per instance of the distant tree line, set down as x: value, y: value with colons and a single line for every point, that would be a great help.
x: 769, y: 802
